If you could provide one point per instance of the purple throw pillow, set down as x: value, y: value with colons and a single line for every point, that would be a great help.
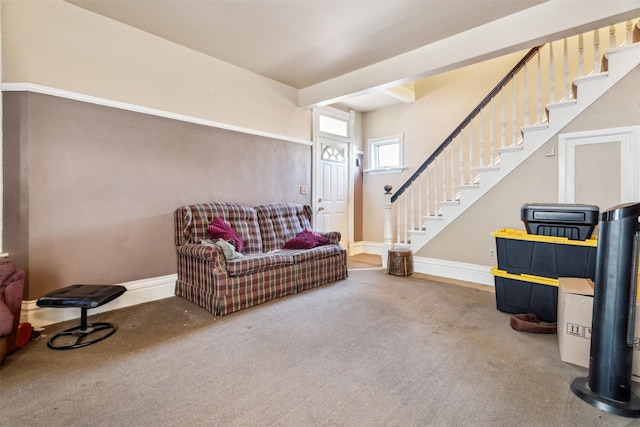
x: 300, y: 242
x: 306, y: 240
x: 219, y: 229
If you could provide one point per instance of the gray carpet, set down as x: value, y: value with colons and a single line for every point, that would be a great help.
x: 372, y: 350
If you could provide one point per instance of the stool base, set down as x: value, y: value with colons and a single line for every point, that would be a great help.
x: 80, y: 333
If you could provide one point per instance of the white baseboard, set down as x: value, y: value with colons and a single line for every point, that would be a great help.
x: 371, y: 248
x: 356, y: 248
x: 138, y: 292
x: 473, y: 273
x: 454, y: 270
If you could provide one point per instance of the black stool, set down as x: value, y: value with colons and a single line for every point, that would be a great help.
x: 85, y: 297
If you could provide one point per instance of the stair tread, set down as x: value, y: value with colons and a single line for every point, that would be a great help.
x: 534, y: 127
x: 592, y: 76
x: 488, y: 168
x: 562, y: 103
x: 511, y: 149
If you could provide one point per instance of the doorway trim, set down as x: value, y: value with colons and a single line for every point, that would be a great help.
x: 349, y: 118
x: 629, y: 139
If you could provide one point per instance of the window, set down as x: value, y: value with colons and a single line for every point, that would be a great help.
x: 385, y: 154
x: 333, y: 126
x: 332, y: 154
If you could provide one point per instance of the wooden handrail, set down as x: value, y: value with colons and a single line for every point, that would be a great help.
x: 506, y: 79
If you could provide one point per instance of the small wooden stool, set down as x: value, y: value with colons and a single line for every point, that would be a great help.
x: 400, y: 262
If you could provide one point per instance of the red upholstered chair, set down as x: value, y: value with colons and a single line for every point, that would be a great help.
x: 11, y: 289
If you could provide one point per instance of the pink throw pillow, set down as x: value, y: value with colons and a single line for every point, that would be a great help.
x: 219, y: 229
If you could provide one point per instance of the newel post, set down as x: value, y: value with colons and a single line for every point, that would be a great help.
x: 388, y: 239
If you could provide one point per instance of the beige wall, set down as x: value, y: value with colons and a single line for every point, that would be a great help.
x: 90, y: 190
x: 59, y: 45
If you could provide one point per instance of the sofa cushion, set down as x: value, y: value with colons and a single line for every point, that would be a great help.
x: 258, y: 262
x: 319, y: 252
x: 281, y: 222
x: 191, y: 223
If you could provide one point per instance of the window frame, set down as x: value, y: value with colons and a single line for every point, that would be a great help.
x: 374, y: 145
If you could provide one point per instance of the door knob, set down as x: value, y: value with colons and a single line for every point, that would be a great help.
x: 321, y: 208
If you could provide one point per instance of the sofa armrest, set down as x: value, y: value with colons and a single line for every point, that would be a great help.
x: 205, y: 252
x: 202, y: 269
x: 333, y: 236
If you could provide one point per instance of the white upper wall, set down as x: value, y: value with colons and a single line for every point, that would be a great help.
x: 58, y: 45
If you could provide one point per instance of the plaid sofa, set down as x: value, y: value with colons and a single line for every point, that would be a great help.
x: 266, y: 271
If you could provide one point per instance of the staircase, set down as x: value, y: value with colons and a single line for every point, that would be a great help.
x: 548, y: 88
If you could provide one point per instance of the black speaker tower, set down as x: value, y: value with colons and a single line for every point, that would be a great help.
x: 608, y: 386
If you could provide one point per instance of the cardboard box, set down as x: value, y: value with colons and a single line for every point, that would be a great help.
x: 575, y: 306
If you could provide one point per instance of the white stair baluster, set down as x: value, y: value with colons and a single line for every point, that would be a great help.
x: 413, y: 207
x: 539, y: 93
x: 612, y: 37
x: 565, y: 70
x: 552, y: 75
x: 398, y: 213
x: 480, y: 141
x: 492, y: 142
x: 596, y: 51
x: 503, y: 121
x: 580, y: 55
x: 427, y: 192
x: 444, y: 174
x: 525, y: 97
x: 453, y: 169
x: 471, y: 162
x: 420, y: 201
x: 461, y: 148
x: 514, y: 112
x: 436, y: 184
x: 406, y: 235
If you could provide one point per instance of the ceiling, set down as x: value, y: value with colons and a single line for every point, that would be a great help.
x: 305, y: 42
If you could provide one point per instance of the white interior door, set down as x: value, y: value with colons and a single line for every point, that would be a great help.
x: 600, y: 167
x: 332, y: 183
x: 332, y: 196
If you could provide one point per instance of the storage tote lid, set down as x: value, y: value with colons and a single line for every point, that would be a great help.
x: 510, y: 233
